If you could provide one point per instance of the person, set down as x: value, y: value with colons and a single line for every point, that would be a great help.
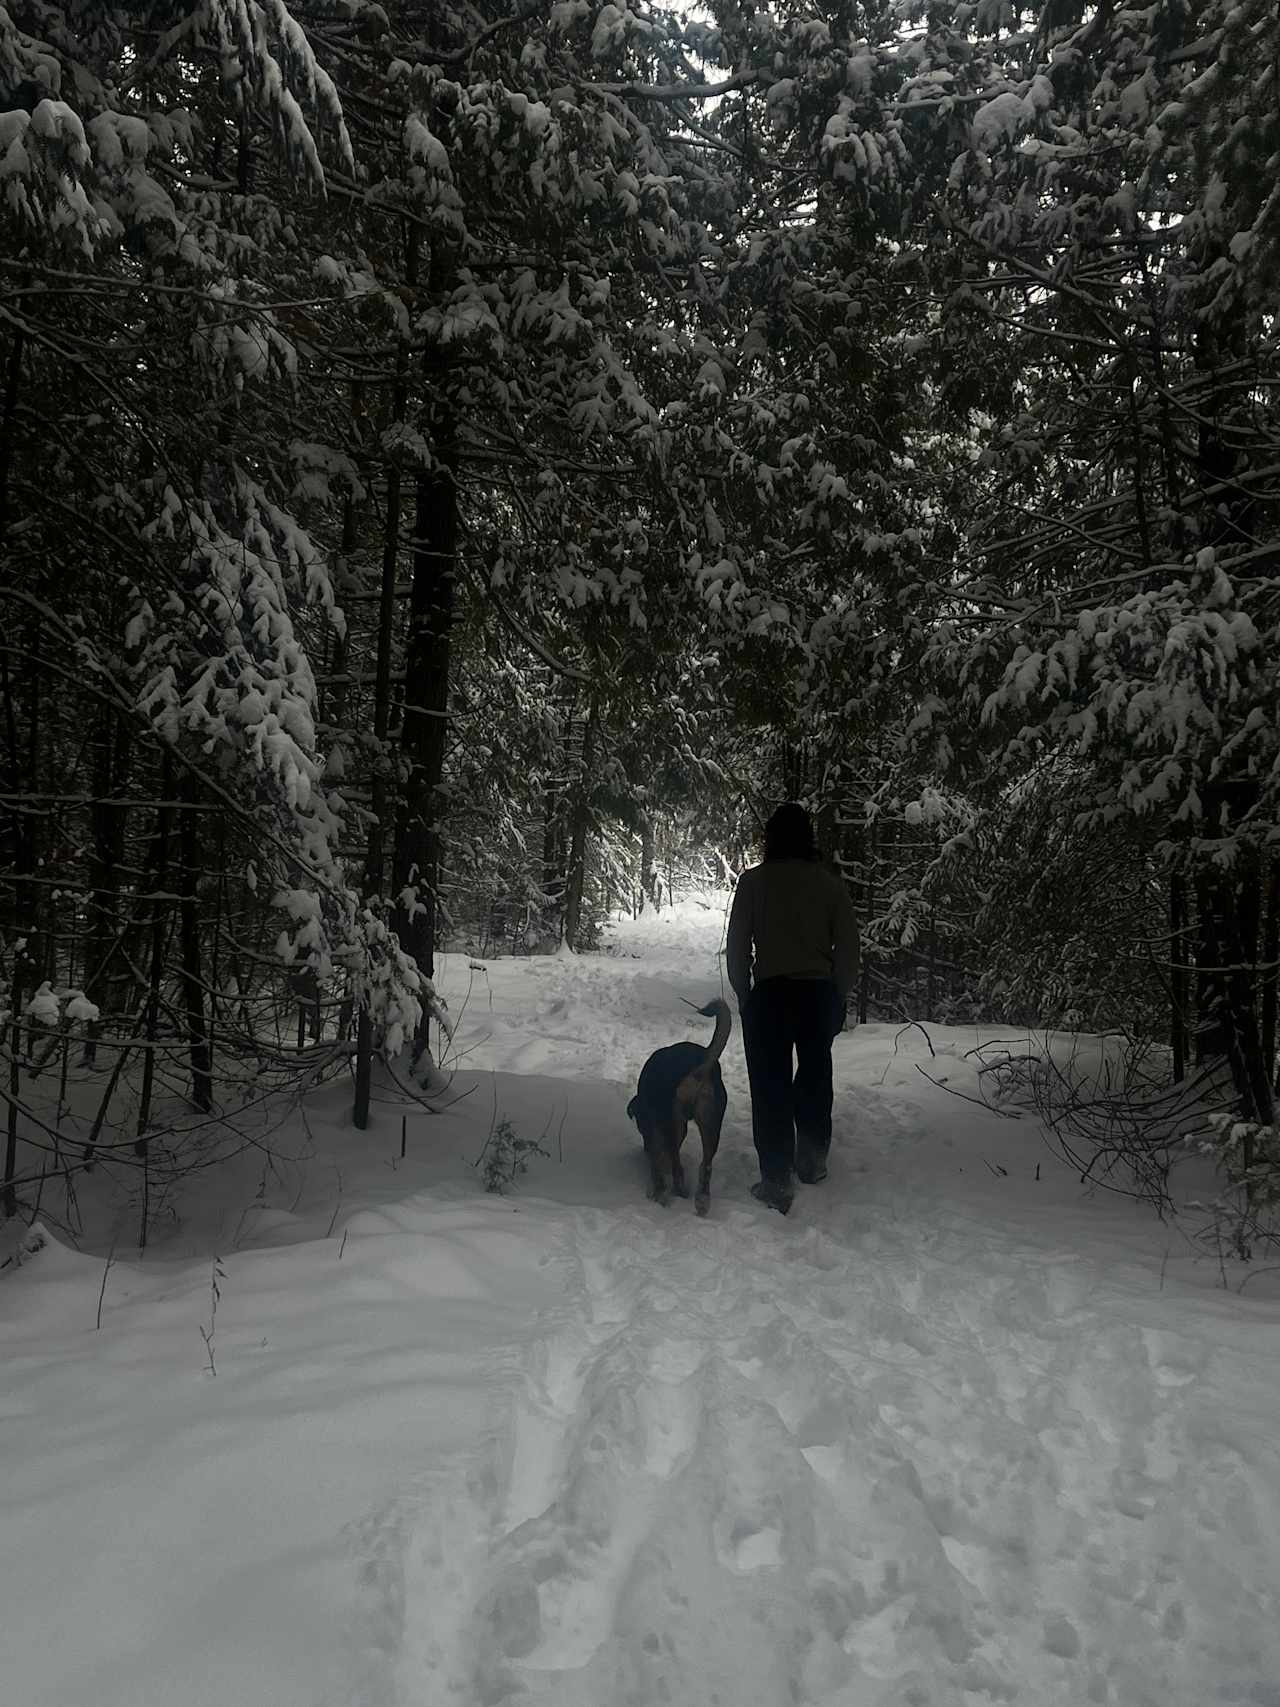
x: 792, y: 959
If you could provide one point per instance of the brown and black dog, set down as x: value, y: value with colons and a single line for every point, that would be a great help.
x: 678, y: 1084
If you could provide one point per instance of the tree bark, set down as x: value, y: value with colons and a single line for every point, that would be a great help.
x: 199, y: 1040
x: 107, y: 823
x: 554, y: 858
x: 869, y: 893
x: 1215, y: 905
x: 556, y: 813
x: 1270, y: 972
x: 1180, y: 991
x: 158, y: 870
x: 375, y: 854
x: 8, y: 1192
x: 580, y: 828
x: 425, y: 729
x: 646, y: 863
x: 1228, y: 1022
x: 12, y: 375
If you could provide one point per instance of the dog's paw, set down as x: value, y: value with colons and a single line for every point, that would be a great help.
x: 702, y: 1203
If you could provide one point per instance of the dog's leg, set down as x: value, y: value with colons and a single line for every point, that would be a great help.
x: 710, y: 1144
x: 679, y: 1184
x: 658, y: 1145
x: 709, y: 1116
x: 651, y: 1134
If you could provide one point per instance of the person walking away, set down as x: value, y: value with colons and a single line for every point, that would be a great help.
x: 792, y: 954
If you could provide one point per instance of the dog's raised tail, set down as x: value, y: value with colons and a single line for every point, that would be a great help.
x: 718, y: 1010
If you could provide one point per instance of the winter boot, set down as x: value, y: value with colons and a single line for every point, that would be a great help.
x: 777, y: 1194
x: 811, y: 1161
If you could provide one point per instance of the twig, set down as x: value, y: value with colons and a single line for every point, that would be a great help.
x: 493, y: 1121
x: 337, y: 1206
x: 102, y: 1290
x: 215, y: 1294
x: 1004, y: 1113
x: 411, y: 1093
x: 923, y: 1033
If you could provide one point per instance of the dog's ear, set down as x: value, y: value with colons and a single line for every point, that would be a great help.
x: 631, y: 1108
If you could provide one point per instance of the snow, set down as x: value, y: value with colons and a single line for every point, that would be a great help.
x: 1000, y: 120
x: 953, y: 1432
x: 43, y: 1006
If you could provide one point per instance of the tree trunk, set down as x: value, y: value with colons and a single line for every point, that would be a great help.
x: 8, y: 428
x: 158, y: 870
x: 198, y: 1037
x: 24, y: 918
x: 375, y: 864
x: 646, y: 862
x: 8, y: 1191
x: 869, y: 893
x: 1270, y: 971
x: 1228, y: 901
x: 554, y: 858
x: 793, y: 769
x: 1215, y: 907
x: 375, y: 854
x: 106, y: 976
x: 364, y: 1068
x: 1252, y: 1068
x: 1180, y: 991
x: 556, y: 812
x: 1228, y: 1011
x: 424, y: 733
x: 580, y: 827
x: 334, y: 711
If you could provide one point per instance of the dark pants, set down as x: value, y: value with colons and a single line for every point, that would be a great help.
x: 790, y: 1100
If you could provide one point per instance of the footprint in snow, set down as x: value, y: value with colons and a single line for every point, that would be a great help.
x: 749, y: 1548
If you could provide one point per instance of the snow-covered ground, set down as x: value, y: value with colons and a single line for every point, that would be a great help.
x: 952, y: 1432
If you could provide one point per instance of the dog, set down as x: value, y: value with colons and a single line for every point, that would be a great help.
x: 678, y: 1084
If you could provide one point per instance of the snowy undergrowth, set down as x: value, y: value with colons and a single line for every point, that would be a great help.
x: 952, y: 1432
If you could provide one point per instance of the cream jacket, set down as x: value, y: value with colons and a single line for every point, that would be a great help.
x: 791, y: 918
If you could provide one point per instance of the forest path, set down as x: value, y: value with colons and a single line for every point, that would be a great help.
x: 928, y: 1441
x: 751, y: 1461
x: 354, y: 1433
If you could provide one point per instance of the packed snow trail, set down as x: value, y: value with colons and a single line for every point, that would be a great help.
x: 881, y: 1452
x: 751, y: 1464
x: 950, y: 1433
